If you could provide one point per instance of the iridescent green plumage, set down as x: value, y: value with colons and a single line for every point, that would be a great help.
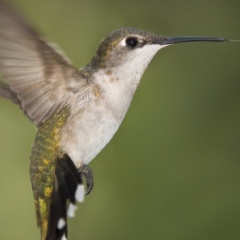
x: 43, y: 158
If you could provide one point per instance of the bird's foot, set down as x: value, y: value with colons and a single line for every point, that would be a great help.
x: 86, y: 171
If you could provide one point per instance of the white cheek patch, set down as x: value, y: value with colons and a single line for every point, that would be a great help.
x: 135, y: 62
x: 123, y: 42
x: 142, y: 56
x: 151, y: 49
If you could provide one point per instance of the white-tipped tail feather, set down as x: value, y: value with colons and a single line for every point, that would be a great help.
x: 68, y: 191
x: 71, y: 210
x: 61, y: 223
x: 79, y: 195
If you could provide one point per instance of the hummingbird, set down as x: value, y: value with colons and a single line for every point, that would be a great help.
x: 76, y: 112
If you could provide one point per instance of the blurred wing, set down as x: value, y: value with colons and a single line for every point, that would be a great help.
x: 36, y: 75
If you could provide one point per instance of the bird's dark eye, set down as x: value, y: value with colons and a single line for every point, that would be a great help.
x: 132, y: 42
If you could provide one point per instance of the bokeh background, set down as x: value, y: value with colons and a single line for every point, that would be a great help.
x: 172, y: 170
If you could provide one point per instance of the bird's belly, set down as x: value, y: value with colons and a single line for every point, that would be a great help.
x: 84, y: 136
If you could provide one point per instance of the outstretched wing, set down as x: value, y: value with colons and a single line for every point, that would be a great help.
x: 36, y: 75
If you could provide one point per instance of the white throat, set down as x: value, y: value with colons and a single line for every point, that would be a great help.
x: 119, y: 84
x: 132, y: 70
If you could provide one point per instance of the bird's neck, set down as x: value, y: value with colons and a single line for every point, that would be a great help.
x: 117, y: 88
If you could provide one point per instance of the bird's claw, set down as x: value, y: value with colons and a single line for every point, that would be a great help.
x: 86, y: 171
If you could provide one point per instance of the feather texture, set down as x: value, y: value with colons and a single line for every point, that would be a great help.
x: 38, y: 75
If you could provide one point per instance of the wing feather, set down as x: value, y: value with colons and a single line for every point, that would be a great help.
x: 38, y: 75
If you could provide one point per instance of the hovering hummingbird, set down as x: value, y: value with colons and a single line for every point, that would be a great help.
x: 76, y: 112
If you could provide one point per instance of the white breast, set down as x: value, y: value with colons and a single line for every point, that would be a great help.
x: 88, y: 130
x: 97, y: 113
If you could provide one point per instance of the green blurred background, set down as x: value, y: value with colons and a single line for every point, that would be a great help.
x: 172, y: 170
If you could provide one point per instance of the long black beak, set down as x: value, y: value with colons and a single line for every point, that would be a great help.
x: 173, y: 40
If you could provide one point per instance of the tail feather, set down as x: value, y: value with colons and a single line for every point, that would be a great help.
x: 68, y: 189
